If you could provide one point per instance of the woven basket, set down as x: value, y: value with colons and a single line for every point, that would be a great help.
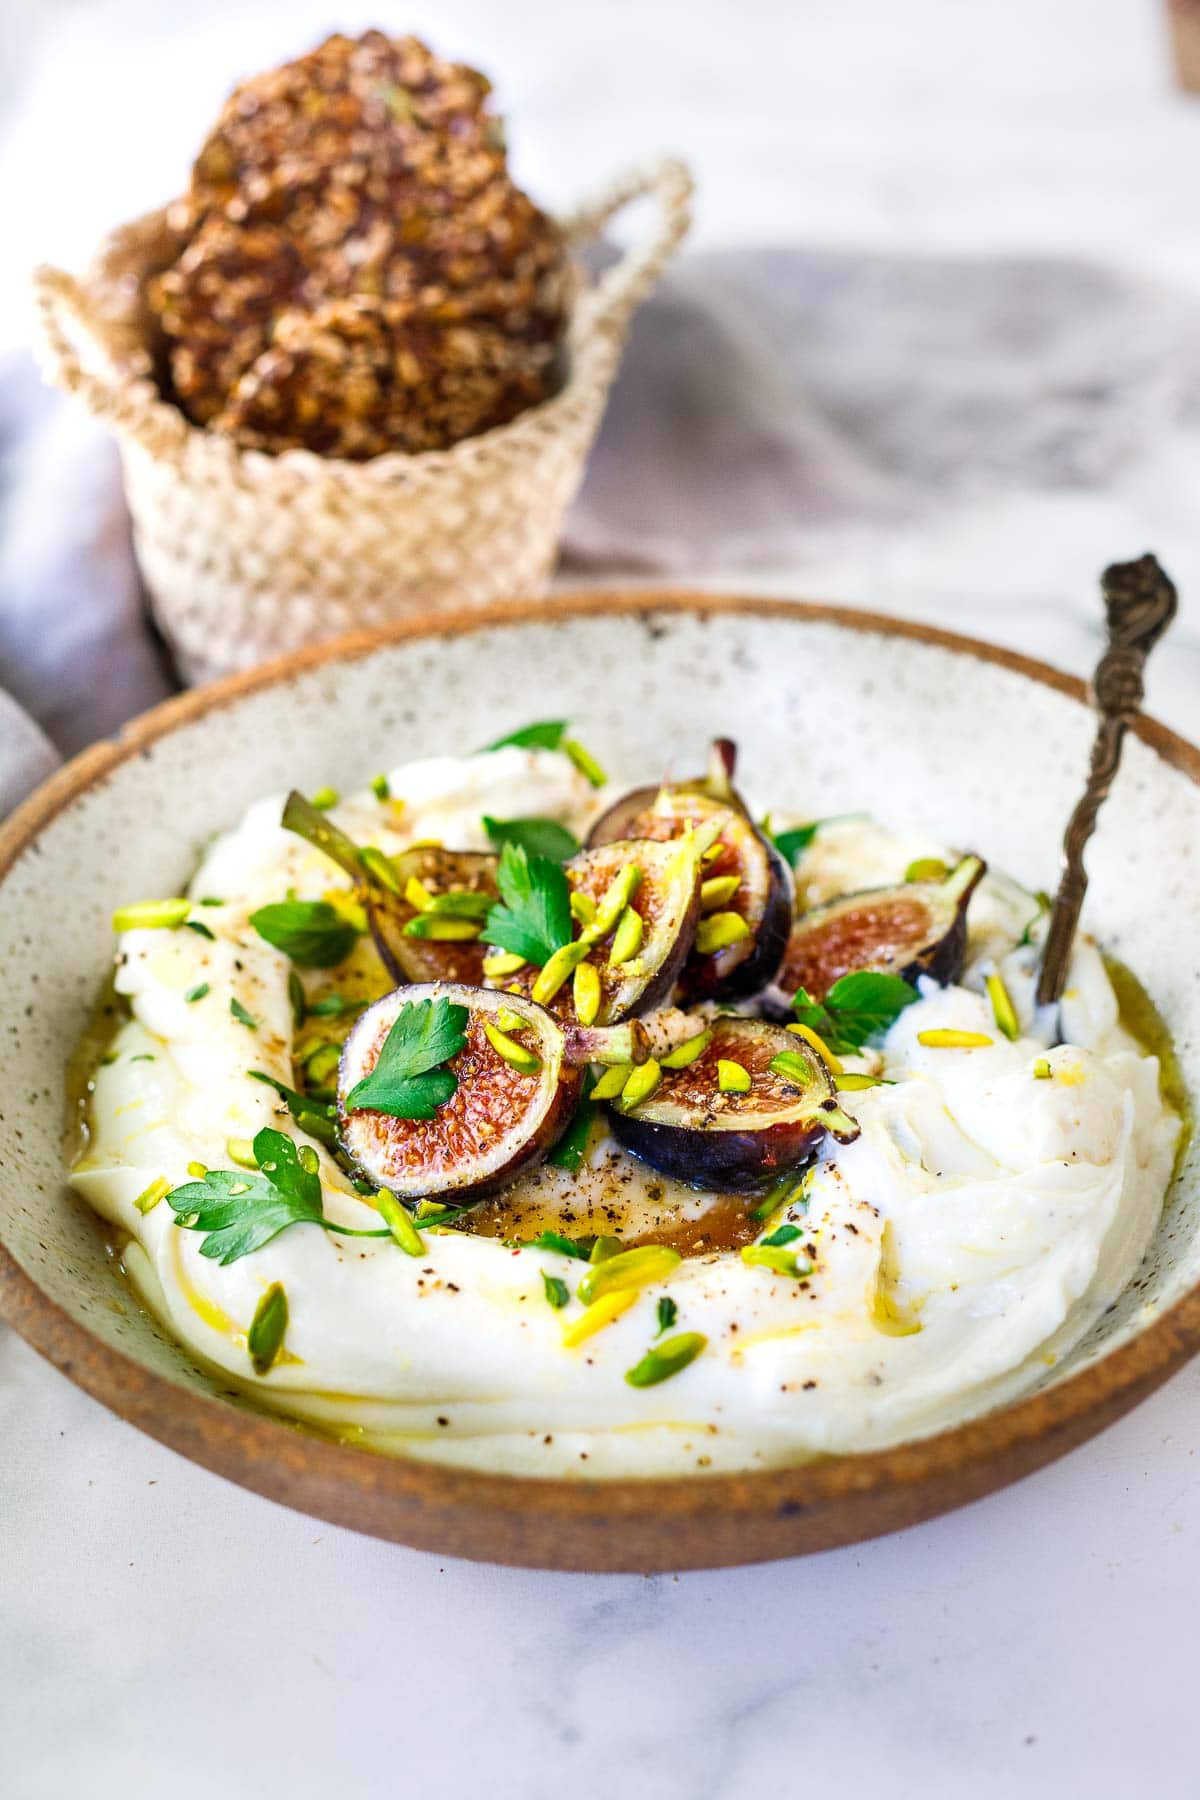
x: 247, y: 555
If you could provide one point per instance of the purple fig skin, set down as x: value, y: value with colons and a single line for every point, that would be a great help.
x: 374, y: 1141
x: 689, y: 1130
x: 700, y: 981
x: 662, y: 983
x: 746, y: 968
x: 736, y: 1162
x: 938, y: 953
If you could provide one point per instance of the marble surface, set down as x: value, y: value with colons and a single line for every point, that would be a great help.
x: 161, y: 1629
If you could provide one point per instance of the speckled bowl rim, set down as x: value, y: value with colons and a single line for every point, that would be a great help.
x: 637, y: 1525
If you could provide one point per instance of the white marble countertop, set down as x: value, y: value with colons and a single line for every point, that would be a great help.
x: 163, y: 1632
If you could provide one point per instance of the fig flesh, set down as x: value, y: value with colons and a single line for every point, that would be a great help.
x: 692, y: 1128
x: 747, y: 926
x: 636, y: 904
x: 918, y: 928
x: 517, y: 1077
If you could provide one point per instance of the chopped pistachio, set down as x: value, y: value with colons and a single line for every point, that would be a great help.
x: 791, y: 1067
x: 616, y: 897
x: 197, y: 1170
x: 832, y: 1063
x: 926, y: 868
x: 321, y: 1063
x: 501, y: 963
x: 196, y: 993
x: 712, y: 853
x: 583, y: 907
x: 462, y: 903
x: 508, y: 1019
x: 1041, y: 1069
x: 241, y: 1015
x: 440, y: 929
x: 380, y: 787
x: 612, y: 1081
x: 399, y: 1223
x: 627, y: 939
x: 717, y: 891
x: 719, y: 930
x: 687, y: 1053
x: 324, y: 798
x: 264, y: 1340
x: 586, y: 993
x: 151, y: 915
x: 585, y: 762
x: 241, y: 1152
x: 635, y: 1268
x: 854, y: 1084
x: 417, y: 894
x: 1002, y: 1007
x: 150, y: 1196
x: 517, y: 1056
x: 663, y: 1360
x: 558, y: 969
x: 602, y: 1312
x: 732, y: 1078
x: 642, y: 1082
x: 778, y: 1261
x: 603, y: 1248
x: 946, y: 1039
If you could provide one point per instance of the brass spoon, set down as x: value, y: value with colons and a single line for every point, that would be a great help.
x: 1140, y: 601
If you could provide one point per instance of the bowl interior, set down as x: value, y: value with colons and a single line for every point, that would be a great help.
x: 831, y: 717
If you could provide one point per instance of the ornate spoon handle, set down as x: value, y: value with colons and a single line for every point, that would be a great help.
x: 1140, y: 601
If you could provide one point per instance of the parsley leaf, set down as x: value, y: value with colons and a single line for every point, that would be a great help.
x: 533, y: 916
x: 316, y: 1117
x: 311, y: 932
x: 407, y: 1082
x: 539, y: 837
x: 667, y: 1312
x: 790, y: 843
x: 554, y: 1240
x: 240, y: 1212
x: 857, y: 1008
x: 557, y: 1291
x: 332, y: 1006
x: 546, y: 735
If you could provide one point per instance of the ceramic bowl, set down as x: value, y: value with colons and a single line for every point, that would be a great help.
x: 830, y: 708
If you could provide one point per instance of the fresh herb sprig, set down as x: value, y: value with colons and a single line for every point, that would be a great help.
x: 408, y: 1081
x: 546, y: 734
x: 856, y: 1009
x: 239, y: 1212
x: 533, y: 915
x: 311, y: 932
x: 538, y: 837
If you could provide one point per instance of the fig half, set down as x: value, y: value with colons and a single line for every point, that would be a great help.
x: 517, y: 1080
x: 435, y: 940
x: 747, y: 894
x: 699, y: 1127
x: 918, y: 928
